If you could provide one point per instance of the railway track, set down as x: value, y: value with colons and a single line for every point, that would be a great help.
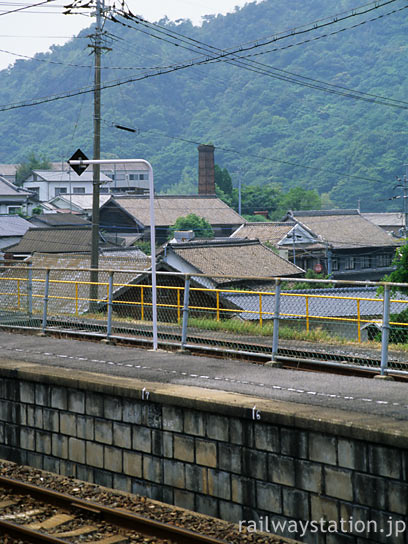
x: 37, y: 515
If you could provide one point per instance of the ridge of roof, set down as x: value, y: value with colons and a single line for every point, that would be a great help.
x: 169, y: 197
x: 322, y: 213
x: 194, y: 244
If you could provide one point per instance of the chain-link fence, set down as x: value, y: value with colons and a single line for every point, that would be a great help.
x: 354, y: 323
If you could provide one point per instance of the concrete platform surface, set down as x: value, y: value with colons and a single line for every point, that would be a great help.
x: 385, y: 399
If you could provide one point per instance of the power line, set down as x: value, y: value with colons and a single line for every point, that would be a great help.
x: 235, y: 151
x: 27, y: 7
x: 293, y: 32
x: 370, y: 98
x: 261, y: 68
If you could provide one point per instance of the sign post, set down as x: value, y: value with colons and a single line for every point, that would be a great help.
x: 82, y: 162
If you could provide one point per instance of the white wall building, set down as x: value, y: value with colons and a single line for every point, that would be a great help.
x: 47, y: 184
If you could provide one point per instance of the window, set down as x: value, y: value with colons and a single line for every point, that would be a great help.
x: 349, y: 263
x: 79, y: 190
x: 136, y: 177
x: 384, y: 260
x: 366, y: 261
x: 335, y: 264
x: 60, y: 191
x: 13, y: 210
x: 35, y: 191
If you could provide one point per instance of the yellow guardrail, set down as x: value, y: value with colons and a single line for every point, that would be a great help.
x: 214, y: 300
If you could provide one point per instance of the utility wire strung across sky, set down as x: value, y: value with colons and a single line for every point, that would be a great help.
x: 268, y: 71
x: 257, y: 67
x: 235, y: 151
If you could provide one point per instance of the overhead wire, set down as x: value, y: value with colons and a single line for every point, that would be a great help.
x: 28, y: 6
x: 265, y: 69
x: 180, y: 67
x: 315, y: 25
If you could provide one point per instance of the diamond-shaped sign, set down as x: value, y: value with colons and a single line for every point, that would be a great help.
x: 77, y: 156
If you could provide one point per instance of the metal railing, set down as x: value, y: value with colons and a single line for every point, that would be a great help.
x: 272, y: 316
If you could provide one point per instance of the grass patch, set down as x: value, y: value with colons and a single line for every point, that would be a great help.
x: 254, y: 329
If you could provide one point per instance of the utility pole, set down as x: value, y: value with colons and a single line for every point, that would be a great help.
x: 405, y: 203
x: 239, y: 190
x: 96, y: 169
x: 403, y: 184
x: 97, y: 46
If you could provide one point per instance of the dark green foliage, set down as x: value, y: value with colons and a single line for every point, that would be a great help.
x: 398, y: 334
x: 143, y: 246
x: 255, y: 218
x: 280, y: 133
x: 223, y: 180
x: 297, y: 198
x: 200, y: 226
x: 32, y: 163
x: 400, y: 274
x: 270, y: 198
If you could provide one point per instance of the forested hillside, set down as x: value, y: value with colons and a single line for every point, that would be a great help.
x: 270, y: 130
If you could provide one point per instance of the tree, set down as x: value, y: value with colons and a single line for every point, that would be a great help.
x: 223, y: 180
x: 298, y: 198
x: 25, y: 168
x: 200, y: 226
x: 400, y: 274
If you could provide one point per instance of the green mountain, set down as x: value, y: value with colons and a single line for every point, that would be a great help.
x: 271, y: 130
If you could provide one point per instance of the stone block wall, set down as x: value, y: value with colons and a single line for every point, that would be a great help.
x: 212, y: 454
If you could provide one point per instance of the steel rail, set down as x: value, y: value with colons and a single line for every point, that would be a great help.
x: 33, y: 537
x: 120, y: 518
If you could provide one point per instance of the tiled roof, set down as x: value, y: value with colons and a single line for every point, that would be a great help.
x: 69, y: 289
x: 52, y: 240
x: 8, y: 189
x: 168, y: 209
x: 265, y: 232
x: 394, y: 219
x: 244, y: 258
x: 82, y: 201
x: 293, y: 303
x: 344, y: 228
x: 59, y: 220
x: 8, y: 169
x: 13, y: 225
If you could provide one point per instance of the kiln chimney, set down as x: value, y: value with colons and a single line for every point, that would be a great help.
x: 206, y: 183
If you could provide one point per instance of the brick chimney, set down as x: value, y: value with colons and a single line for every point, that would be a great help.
x: 206, y: 183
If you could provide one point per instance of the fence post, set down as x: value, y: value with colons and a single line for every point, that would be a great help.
x: 30, y: 290
x: 185, y: 313
x: 45, y: 306
x: 276, y: 317
x: 307, y: 313
x: 110, y: 306
x: 358, y: 321
x: 385, y: 330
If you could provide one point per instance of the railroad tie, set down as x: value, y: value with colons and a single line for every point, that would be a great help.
x: 6, y: 503
x: 78, y: 532
x: 51, y: 522
x: 110, y: 540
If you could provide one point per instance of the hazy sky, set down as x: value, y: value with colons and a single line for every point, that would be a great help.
x: 35, y: 29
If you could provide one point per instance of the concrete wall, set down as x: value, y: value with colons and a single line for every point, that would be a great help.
x: 213, y: 452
